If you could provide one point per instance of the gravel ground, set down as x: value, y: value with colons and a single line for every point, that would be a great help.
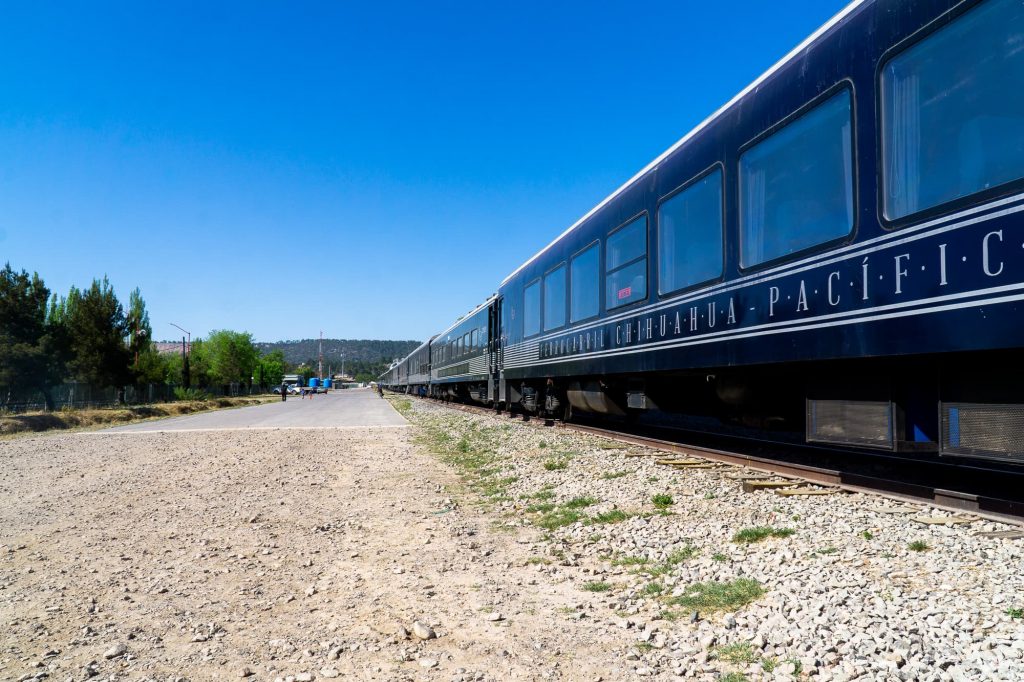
x: 471, y: 547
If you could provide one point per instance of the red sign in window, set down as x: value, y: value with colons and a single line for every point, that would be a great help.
x: 625, y: 293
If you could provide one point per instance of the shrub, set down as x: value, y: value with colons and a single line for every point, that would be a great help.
x: 190, y: 394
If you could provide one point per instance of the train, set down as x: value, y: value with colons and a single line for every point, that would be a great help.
x: 835, y: 256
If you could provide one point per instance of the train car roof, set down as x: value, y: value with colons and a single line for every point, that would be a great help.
x: 807, y: 42
x: 468, y: 315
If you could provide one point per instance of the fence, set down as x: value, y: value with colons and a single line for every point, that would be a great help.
x: 82, y: 396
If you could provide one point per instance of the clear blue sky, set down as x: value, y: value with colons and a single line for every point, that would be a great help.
x: 397, y: 159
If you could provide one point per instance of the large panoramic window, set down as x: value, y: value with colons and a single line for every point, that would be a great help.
x: 690, y: 235
x: 531, y: 309
x: 953, y: 111
x: 585, y: 283
x: 796, y: 186
x: 626, y: 264
x: 554, y: 298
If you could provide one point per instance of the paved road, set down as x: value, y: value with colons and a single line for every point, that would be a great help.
x: 339, y: 409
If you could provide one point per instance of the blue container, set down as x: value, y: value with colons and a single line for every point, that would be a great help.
x: 328, y: 383
x: 313, y: 382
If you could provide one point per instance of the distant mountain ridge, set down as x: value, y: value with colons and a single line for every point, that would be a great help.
x: 355, y: 350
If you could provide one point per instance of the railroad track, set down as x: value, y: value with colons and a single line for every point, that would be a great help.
x: 995, y: 493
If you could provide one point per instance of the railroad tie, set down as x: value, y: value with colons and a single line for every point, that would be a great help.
x: 754, y: 486
x: 1002, y: 534
x: 789, y: 492
x: 680, y: 462
x: 945, y: 520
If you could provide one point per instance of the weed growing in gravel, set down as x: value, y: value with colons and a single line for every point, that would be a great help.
x: 542, y: 508
x: 653, y: 588
x: 613, y: 475
x: 403, y: 406
x: 542, y: 444
x: 597, y: 587
x: 581, y: 502
x: 718, y: 596
x: 797, y: 665
x: 827, y: 550
x: 1015, y: 613
x: 769, y: 663
x: 644, y: 646
x: 534, y: 560
x: 663, y: 501
x: 672, y: 560
x: 556, y: 464
x: 558, y: 518
x: 867, y: 535
x: 613, y: 516
x: 652, y: 479
x: 747, y: 536
x: 738, y: 653
x: 709, y: 496
x: 918, y: 546
x: 630, y: 561
x: 542, y: 494
x: 718, y: 556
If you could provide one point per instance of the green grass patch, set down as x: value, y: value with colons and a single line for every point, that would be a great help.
x: 558, y: 518
x: 535, y: 560
x: 653, y: 589
x: 542, y: 508
x: 630, y: 561
x: 738, y: 653
x: 748, y: 536
x: 613, y: 516
x: 542, y: 494
x: 720, y: 596
x: 581, y: 502
x: 918, y: 546
x: 612, y: 475
x: 719, y: 557
x: 867, y: 535
x: 597, y: 586
x: 733, y: 677
x: 1015, y: 613
x: 556, y: 464
x: 769, y: 664
x: 663, y: 501
x: 827, y: 550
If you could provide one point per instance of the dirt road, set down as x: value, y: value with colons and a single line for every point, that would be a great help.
x: 269, y: 554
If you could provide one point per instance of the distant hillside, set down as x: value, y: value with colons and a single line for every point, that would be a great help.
x: 355, y: 350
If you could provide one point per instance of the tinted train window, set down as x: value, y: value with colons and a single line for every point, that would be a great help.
x: 690, y: 235
x: 554, y: 298
x: 531, y: 309
x: 796, y: 186
x: 585, y: 283
x: 472, y: 340
x: 626, y: 264
x: 953, y: 111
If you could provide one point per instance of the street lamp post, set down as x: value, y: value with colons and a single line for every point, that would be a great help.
x: 185, y: 351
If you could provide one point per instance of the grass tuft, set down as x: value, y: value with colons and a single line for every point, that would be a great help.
x: 1015, y: 613
x: 609, y: 476
x: 558, y: 518
x: 663, y: 501
x: 738, y: 653
x: 719, y: 596
x: 597, y: 587
x: 748, y: 536
x: 581, y: 502
x: 556, y: 464
x: 918, y: 546
x: 613, y: 516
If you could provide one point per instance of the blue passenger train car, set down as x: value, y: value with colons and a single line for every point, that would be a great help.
x: 836, y: 255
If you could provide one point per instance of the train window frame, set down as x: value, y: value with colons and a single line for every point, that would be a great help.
x: 980, y: 198
x: 647, y: 256
x: 719, y: 166
x: 540, y: 308
x: 600, y: 282
x: 472, y: 339
x: 823, y: 247
x: 565, y: 298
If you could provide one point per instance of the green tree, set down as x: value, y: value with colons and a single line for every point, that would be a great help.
x: 232, y: 356
x: 96, y: 326
x: 140, y: 334
x: 271, y: 368
x: 27, y: 338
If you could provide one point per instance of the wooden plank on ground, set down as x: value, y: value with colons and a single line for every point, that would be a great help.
x: 944, y: 520
x: 674, y: 461
x: 789, y: 492
x: 701, y: 465
x: 754, y: 486
x: 1002, y: 534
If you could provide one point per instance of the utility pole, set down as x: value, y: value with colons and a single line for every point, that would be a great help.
x: 320, y: 361
x: 186, y: 379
